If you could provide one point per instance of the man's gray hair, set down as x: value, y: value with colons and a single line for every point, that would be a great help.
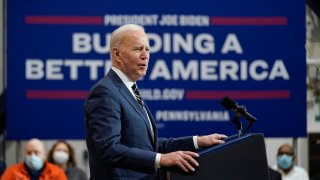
x: 118, y: 34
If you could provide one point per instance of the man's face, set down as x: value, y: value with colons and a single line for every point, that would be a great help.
x: 133, y: 55
x: 285, y: 157
x: 35, y: 148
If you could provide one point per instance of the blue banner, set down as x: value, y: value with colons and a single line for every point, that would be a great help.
x: 251, y: 51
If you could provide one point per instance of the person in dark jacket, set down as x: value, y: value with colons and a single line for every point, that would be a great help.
x: 121, y: 133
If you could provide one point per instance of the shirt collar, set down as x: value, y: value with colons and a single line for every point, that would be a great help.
x: 124, y: 78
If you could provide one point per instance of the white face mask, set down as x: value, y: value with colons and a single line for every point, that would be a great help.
x: 60, y: 157
x: 34, y: 162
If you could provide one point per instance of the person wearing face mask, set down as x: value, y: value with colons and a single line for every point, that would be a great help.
x: 62, y: 154
x: 285, y: 164
x: 35, y: 166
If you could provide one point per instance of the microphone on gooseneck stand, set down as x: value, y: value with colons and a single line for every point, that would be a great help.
x: 240, y: 111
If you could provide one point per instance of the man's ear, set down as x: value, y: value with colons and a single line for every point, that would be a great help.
x: 293, y: 159
x: 116, y: 54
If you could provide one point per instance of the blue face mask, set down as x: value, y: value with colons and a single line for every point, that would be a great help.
x: 284, y: 161
x: 34, y: 162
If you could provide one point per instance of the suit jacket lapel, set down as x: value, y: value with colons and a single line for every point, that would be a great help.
x: 154, y: 126
x: 132, y: 101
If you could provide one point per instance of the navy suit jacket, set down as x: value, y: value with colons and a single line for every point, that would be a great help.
x: 118, y: 134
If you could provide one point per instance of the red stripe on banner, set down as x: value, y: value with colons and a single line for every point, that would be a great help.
x: 255, y: 21
x: 71, y: 20
x: 190, y: 94
x: 57, y: 94
x: 215, y: 95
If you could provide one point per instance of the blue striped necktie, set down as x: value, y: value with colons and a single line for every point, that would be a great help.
x: 140, y: 101
x: 137, y: 94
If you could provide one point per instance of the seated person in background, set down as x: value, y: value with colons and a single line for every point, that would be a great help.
x: 35, y: 166
x: 62, y: 154
x: 285, y: 164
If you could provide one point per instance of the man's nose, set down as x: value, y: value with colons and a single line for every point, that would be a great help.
x: 145, y: 54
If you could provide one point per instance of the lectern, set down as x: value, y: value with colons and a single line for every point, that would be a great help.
x: 239, y: 158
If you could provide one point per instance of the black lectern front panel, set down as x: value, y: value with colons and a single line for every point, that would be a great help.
x: 241, y: 158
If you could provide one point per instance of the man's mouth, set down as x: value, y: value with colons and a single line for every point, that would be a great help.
x: 142, y: 65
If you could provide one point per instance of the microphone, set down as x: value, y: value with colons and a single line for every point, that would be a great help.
x: 240, y: 110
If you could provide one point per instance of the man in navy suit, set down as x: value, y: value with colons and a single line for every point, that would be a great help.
x: 121, y: 134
